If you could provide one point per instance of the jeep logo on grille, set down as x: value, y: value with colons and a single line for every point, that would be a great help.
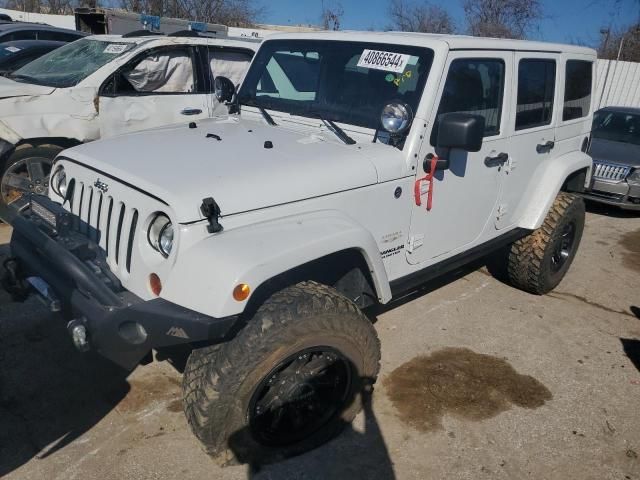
x: 101, y: 186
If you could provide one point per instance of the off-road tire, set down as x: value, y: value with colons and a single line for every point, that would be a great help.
x: 530, y: 259
x: 219, y: 381
x: 25, y: 151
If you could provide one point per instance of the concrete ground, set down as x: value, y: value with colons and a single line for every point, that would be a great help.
x: 478, y: 380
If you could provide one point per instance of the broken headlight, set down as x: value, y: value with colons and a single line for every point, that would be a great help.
x: 634, y: 176
x: 160, y: 234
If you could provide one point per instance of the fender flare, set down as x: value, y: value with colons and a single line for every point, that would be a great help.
x: 257, y: 253
x: 549, y: 184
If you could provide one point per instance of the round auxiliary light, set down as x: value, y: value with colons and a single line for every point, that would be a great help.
x: 241, y: 292
x: 155, y: 284
x: 59, y: 182
x: 396, y: 117
x: 160, y: 234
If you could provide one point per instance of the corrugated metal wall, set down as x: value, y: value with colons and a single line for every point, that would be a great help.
x: 618, y: 84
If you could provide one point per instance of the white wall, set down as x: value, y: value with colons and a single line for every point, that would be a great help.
x: 618, y: 84
x: 63, y: 21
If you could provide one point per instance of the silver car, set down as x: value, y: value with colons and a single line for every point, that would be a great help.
x: 615, y: 149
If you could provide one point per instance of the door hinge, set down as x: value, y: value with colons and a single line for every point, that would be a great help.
x: 415, y: 241
x: 502, y: 210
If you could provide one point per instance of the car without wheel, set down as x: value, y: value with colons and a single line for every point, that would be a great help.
x: 353, y: 167
x: 615, y: 148
x: 105, y: 85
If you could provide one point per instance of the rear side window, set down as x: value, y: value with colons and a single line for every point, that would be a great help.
x: 536, y: 88
x: 229, y: 63
x: 20, y: 35
x: 475, y: 86
x: 577, y: 89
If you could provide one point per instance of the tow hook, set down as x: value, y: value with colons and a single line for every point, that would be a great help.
x: 12, y: 282
x: 79, y: 335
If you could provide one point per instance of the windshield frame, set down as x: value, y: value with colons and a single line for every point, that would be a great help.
x: 620, y: 136
x: 24, y: 74
x: 247, y: 94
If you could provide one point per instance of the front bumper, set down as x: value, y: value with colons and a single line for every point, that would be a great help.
x: 620, y: 194
x: 120, y: 325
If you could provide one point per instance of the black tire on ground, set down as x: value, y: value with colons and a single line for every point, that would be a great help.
x: 538, y: 262
x: 261, y: 397
x: 25, y: 171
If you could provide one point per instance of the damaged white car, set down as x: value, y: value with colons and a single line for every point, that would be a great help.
x: 102, y: 86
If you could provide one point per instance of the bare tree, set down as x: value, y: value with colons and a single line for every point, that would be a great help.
x: 408, y: 16
x: 622, y: 44
x: 502, y: 18
x: 331, y: 16
x: 238, y: 13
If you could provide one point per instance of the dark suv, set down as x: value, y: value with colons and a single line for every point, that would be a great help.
x: 615, y: 149
x: 12, y: 31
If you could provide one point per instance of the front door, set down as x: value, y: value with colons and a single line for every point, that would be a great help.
x: 465, y: 195
x: 160, y: 87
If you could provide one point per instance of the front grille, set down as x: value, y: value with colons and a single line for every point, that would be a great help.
x: 610, y: 171
x: 107, y: 221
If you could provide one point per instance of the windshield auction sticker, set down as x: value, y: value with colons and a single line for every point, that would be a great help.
x: 12, y: 49
x: 115, y: 48
x: 386, y: 61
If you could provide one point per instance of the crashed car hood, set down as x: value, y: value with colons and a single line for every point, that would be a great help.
x: 231, y: 161
x: 615, y: 152
x: 9, y: 88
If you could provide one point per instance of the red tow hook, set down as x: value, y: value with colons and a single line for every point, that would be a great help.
x: 433, y: 162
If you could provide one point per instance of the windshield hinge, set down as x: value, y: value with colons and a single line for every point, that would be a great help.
x: 211, y: 211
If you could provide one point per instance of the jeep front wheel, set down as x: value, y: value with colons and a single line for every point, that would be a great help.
x: 538, y: 262
x: 288, y: 382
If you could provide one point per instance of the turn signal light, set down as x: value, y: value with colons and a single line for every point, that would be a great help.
x: 241, y: 292
x: 155, y: 284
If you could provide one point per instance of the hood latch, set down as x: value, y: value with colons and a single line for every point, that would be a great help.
x: 211, y: 210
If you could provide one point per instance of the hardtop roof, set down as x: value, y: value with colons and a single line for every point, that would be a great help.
x: 454, y: 42
x: 167, y: 39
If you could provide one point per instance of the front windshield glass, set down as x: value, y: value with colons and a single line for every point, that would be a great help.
x: 346, y: 82
x: 8, y: 50
x: 70, y: 64
x: 616, y: 126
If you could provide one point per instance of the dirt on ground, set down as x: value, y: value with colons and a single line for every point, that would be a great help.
x: 478, y: 380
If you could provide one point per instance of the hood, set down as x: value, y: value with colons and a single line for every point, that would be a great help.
x: 183, y: 166
x: 9, y: 88
x: 615, y: 152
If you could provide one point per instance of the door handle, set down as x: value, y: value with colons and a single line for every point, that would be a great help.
x: 497, y: 160
x: 191, y: 111
x: 545, y: 147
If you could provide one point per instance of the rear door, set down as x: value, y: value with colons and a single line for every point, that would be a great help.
x: 465, y: 194
x: 161, y: 86
x: 533, y: 141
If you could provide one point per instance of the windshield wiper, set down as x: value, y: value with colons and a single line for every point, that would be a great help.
x: 331, y: 125
x: 267, y: 117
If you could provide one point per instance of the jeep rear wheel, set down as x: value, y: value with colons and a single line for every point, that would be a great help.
x: 26, y: 171
x: 538, y: 262
x: 288, y: 382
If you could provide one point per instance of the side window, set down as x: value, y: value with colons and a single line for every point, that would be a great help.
x: 536, y: 88
x: 475, y: 86
x: 20, y: 35
x: 230, y: 64
x: 577, y: 89
x: 161, y: 71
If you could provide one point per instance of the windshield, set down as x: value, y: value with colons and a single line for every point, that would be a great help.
x: 346, y: 82
x: 8, y: 50
x: 70, y: 64
x: 617, y: 127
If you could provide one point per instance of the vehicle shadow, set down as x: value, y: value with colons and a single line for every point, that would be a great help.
x: 352, y: 454
x: 50, y: 394
x: 631, y: 349
x: 609, y: 210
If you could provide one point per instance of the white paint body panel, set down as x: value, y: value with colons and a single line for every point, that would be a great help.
x: 312, y: 195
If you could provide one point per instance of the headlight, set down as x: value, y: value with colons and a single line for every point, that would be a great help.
x: 59, y: 182
x: 160, y: 234
x: 634, y: 177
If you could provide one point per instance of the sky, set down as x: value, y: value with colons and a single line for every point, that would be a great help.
x: 569, y: 21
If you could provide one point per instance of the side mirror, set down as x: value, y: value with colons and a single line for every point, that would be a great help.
x: 460, y: 130
x: 224, y: 89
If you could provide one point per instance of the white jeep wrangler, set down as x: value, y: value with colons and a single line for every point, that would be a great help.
x: 102, y: 86
x: 353, y: 167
